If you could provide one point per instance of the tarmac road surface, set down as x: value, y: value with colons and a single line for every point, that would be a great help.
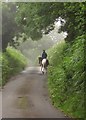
x: 26, y: 96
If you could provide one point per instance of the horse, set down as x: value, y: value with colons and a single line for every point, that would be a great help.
x: 44, y: 64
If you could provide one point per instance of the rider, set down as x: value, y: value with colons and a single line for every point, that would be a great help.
x: 44, y: 55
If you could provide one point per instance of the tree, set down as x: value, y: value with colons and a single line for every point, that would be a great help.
x: 74, y: 14
x: 0, y: 27
x: 36, y: 19
x: 9, y: 26
x: 39, y: 18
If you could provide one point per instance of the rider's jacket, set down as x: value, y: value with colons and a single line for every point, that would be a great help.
x: 44, y: 55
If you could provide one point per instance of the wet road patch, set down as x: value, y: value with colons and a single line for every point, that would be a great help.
x: 22, y: 102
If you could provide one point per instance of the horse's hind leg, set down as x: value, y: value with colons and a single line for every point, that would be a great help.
x: 42, y: 69
x: 43, y: 72
x: 46, y: 70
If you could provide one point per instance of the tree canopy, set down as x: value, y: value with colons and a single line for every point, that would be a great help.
x: 9, y: 26
x: 39, y: 18
x: 36, y: 19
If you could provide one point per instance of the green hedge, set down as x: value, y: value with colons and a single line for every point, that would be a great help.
x: 12, y: 63
x: 66, y: 77
x: 0, y: 68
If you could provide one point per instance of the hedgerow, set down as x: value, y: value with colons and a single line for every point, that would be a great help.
x: 12, y: 63
x: 66, y: 77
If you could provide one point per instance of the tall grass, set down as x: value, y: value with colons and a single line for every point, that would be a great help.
x: 66, y: 77
x: 12, y: 63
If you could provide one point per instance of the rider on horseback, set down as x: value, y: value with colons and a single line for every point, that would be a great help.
x: 44, y: 55
x: 43, y: 61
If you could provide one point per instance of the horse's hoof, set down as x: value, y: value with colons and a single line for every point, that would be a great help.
x: 42, y: 72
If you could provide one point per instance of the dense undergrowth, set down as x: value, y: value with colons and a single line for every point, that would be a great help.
x: 0, y: 69
x: 12, y: 63
x: 66, y: 77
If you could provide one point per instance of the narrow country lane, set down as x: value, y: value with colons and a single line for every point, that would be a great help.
x: 26, y: 96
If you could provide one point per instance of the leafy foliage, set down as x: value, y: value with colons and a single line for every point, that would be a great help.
x: 9, y: 26
x: 12, y: 63
x: 66, y: 77
x: 36, y: 18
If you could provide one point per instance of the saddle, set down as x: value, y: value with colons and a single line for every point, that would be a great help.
x: 40, y: 61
